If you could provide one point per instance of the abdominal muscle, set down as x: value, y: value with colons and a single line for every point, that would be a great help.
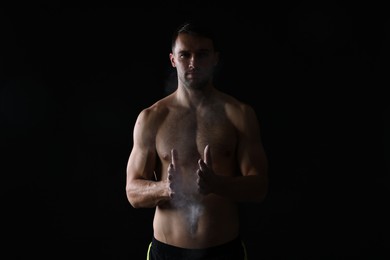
x: 197, y: 224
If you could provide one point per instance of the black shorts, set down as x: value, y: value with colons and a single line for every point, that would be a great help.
x: 233, y: 250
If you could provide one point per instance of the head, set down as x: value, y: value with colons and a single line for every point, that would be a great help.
x: 194, y: 55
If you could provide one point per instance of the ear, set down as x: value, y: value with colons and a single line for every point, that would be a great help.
x: 172, y: 59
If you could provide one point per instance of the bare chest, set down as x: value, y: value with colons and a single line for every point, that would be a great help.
x: 190, y: 133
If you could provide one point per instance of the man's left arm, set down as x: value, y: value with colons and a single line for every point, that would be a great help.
x: 252, y: 184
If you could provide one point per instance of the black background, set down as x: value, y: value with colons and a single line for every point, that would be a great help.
x: 73, y: 81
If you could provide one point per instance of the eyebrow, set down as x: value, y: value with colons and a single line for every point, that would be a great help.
x: 200, y: 50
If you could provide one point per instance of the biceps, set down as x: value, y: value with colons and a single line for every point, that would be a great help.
x: 141, y: 164
x: 252, y: 160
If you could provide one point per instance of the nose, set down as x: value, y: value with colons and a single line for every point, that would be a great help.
x: 191, y: 64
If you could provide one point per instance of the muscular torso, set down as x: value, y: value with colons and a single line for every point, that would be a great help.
x: 192, y: 220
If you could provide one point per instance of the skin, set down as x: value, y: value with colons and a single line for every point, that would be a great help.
x: 196, y: 153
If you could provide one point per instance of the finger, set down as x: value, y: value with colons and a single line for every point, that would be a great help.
x: 171, y: 175
x: 202, y: 165
x: 199, y: 181
x: 199, y: 173
x: 170, y: 171
x: 207, y: 156
x: 174, y: 158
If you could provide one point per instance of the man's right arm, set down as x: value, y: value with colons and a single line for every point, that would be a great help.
x: 141, y: 189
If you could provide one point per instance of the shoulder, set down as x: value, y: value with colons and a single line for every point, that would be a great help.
x: 155, y: 113
x: 241, y: 114
x: 149, y: 120
x: 234, y: 106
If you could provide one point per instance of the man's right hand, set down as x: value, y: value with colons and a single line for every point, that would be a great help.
x: 173, y: 174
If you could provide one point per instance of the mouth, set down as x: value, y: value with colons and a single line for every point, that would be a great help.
x: 193, y: 74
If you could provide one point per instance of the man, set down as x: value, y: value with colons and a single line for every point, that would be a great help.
x: 196, y: 153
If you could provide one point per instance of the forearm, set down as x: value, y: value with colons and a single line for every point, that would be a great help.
x: 243, y: 188
x: 146, y: 193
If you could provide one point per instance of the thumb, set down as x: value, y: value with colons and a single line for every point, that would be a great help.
x: 207, y: 155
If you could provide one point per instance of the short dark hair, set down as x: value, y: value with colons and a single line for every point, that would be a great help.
x: 195, y: 28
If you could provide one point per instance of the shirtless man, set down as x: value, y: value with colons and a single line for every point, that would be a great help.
x: 196, y: 153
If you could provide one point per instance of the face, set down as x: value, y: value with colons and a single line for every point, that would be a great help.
x: 194, y: 59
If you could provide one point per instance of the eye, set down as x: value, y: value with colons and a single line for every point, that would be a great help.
x: 203, y: 54
x: 184, y: 55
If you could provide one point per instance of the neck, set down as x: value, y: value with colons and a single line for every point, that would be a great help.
x: 194, y: 97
